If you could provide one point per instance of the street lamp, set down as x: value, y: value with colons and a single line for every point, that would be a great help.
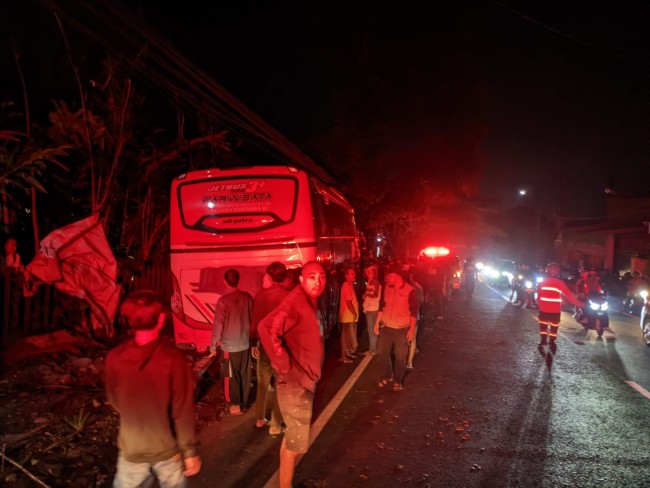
x: 523, y: 192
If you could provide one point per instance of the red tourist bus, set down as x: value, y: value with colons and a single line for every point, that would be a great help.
x: 246, y: 218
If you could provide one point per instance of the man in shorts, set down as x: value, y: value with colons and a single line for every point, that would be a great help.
x: 292, y: 337
x: 550, y: 291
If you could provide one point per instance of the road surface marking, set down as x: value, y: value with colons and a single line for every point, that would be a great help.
x: 324, y: 417
x: 639, y: 388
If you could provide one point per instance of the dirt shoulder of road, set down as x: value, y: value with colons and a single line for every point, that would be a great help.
x: 57, y: 425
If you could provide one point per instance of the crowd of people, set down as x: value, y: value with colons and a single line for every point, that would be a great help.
x: 152, y: 387
x: 151, y: 384
x: 393, y: 298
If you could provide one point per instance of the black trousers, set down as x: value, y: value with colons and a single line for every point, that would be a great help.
x: 239, y: 384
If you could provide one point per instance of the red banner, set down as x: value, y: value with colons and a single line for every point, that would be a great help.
x: 78, y: 260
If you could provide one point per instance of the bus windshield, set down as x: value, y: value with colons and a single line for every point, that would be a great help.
x: 243, y: 204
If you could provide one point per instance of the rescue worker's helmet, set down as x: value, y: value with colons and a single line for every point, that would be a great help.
x: 553, y: 269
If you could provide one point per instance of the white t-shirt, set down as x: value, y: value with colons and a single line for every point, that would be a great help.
x: 371, y: 303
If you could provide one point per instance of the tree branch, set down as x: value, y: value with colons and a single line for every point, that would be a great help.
x: 93, y: 201
x: 11, y: 461
x: 218, y: 139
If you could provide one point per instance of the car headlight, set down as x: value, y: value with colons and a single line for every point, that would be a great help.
x: 528, y: 284
x: 594, y: 306
x: 604, y: 306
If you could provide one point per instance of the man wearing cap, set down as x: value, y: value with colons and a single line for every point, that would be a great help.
x: 396, y: 319
x: 151, y: 385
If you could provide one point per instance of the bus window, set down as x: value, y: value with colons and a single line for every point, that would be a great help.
x: 220, y: 205
x: 332, y: 219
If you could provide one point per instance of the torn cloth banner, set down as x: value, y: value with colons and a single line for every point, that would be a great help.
x: 78, y: 260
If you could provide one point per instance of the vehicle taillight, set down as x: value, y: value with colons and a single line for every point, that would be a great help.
x: 176, y: 300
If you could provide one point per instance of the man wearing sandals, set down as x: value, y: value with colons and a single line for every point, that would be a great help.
x: 292, y: 337
x: 348, y: 317
x: 231, y: 332
x: 395, y: 324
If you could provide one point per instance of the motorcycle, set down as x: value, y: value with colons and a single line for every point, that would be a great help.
x: 455, y: 283
x: 525, y: 291
x: 495, y: 277
x: 645, y: 317
x: 594, y: 315
x: 635, y: 302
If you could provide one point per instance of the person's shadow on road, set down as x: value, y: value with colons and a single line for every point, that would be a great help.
x: 548, y: 355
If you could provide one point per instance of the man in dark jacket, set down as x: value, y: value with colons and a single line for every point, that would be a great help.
x: 292, y: 337
x: 151, y: 385
x: 264, y: 303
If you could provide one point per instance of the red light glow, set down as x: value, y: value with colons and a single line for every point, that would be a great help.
x: 435, y: 251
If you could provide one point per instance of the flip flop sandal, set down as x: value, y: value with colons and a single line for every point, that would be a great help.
x: 397, y: 387
x: 382, y: 383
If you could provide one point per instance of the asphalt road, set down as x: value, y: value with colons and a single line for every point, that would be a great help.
x: 484, y: 407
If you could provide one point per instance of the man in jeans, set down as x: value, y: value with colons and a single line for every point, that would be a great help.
x: 292, y: 337
x: 396, y: 320
x: 371, y: 306
x: 151, y: 385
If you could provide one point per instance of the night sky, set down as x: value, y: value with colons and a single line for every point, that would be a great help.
x: 563, y: 86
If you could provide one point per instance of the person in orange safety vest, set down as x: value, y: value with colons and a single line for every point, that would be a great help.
x: 549, y: 292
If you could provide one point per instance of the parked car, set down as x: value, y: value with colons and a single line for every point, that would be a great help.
x: 498, y: 273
